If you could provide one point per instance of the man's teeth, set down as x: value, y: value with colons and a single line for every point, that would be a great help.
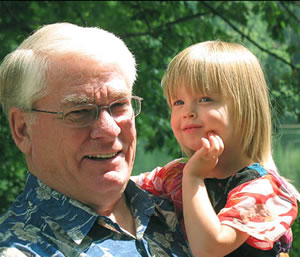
x: 102, y: 156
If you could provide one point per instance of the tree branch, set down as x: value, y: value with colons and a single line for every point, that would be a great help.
x: 161, y: 27
x: 144, y: 17
x: 184, y: 19
x: 289, y: 11
x: 16, y: 20
x: 214, y: 11
x: 78, y: 13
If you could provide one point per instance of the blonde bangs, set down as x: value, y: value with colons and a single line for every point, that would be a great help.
x: 199, y: 76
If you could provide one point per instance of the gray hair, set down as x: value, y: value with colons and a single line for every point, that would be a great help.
x: 24, y: 72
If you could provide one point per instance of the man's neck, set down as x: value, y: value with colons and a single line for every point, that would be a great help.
x: 122, y: 215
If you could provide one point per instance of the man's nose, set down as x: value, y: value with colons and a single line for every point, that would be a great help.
x: 105, y: 125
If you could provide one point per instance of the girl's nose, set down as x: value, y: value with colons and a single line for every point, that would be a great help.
x: 190, y: 115
x: 190, y: 112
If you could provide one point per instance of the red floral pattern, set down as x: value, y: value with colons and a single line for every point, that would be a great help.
x: 265, y: 207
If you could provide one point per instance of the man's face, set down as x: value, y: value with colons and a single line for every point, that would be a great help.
x: 90, y: 164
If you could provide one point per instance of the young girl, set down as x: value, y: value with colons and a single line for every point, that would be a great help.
x: 220, y: 115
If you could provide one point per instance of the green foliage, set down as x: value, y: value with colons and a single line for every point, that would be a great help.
x: 155, y: 31
x: 12, y: 167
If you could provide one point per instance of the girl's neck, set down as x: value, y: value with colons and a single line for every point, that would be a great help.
x: 230, y: 164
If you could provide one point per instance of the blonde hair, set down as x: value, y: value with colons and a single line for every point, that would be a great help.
x: 233, y: 72
x: 24, y: 72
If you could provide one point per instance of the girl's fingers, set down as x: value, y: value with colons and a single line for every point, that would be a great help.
x: 216, y: 145
x: 221, y: 143
x: 205, y: 143
x: 204, y: 150
x: 212, y: 147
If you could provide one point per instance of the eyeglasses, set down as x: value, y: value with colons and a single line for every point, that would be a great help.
x: 85, y: 115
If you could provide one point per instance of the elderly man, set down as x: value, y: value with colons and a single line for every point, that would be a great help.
x: 67, y: 91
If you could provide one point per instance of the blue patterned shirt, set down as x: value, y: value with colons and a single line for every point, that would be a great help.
x: 43, y: 222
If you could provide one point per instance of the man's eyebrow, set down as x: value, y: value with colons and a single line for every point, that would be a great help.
x: 120, y: 94
x: 75, y: 99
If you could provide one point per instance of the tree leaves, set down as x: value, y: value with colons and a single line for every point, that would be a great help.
x: 156, y: 31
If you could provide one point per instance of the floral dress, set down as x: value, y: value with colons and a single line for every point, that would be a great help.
x: 255, y: 201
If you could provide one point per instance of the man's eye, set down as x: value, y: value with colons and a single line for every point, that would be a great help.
x: 124, y: 105
x: 78, y: 114
x: 120, y: 108
x: 120, y: 104
x: 178, y: 102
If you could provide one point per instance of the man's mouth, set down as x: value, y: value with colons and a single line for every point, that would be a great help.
x: 102, y: 156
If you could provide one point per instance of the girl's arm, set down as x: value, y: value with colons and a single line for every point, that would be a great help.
x: 149, y: 181
x: 154, y: 181
x: 206, y: 235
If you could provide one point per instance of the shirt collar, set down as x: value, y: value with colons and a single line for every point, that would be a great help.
x: 77, y: 219
x: 72, y: 216
x: 140, y: 200
x: 144, y: 205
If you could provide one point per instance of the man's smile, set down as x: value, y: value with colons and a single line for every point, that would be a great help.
x: 102, y: 156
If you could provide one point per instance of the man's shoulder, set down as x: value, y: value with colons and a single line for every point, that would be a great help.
x: 12, y: 234
x: 13, y: 218
x: 11, y: 252
x: 145, y: 202
x: 144, y: 199
x: 12, y: 231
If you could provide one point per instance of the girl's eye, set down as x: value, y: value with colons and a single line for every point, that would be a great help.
x: 178, y: 102
x: 205, y: 99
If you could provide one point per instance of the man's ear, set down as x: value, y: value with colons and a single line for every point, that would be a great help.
x: 20, y: 128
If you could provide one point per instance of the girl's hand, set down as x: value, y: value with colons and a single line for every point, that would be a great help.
x: 206, y: 158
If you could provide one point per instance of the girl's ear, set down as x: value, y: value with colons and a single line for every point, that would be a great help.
x: 20, y: 128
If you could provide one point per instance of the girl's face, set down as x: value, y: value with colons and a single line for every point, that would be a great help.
x: 194, y: 115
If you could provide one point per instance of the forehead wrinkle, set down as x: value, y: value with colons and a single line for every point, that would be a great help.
x: 76, y: 99
x: 110, y: 92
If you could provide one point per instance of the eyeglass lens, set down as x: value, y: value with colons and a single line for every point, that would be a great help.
x: 82, y: 116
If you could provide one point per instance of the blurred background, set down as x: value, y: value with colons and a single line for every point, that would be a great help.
x: 155, y: 31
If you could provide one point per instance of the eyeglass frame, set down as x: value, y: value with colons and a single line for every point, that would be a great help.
x: 61, y: 115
